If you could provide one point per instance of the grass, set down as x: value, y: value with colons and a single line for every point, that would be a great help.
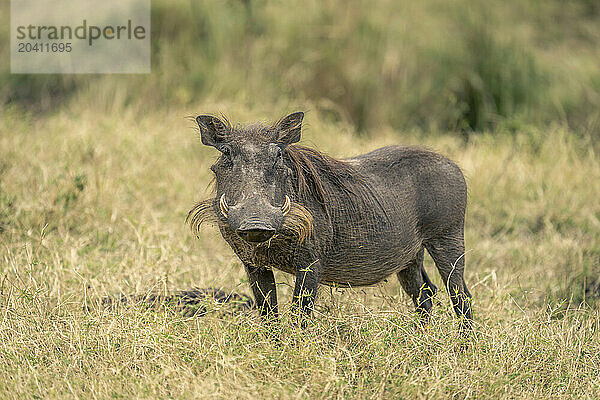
x: 93, y: 205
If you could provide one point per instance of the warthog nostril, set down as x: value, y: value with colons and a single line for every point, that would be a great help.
x: 253, y: 232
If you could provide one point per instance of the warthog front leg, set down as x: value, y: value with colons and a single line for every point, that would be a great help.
x: 262, y: 283
x: 308, y: 277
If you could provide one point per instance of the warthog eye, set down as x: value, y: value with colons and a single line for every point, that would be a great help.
x: 226, y: 150
x: 278, y: 155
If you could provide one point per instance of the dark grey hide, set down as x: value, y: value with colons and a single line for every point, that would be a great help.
x: 349, y: 222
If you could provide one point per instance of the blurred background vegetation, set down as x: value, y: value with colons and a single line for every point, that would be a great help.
x: 462, y: 66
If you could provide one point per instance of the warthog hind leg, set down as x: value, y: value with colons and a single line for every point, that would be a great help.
x: 448, y: 253
x: 418, y: 286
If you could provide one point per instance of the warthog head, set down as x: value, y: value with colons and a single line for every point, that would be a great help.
x: 253, y: 178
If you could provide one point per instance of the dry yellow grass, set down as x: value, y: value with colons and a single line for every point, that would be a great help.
x: 92, y: 204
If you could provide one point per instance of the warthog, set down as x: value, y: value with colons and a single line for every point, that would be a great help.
x: 350, y: 222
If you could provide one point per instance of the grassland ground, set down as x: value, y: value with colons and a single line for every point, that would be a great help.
x: 92, y: 204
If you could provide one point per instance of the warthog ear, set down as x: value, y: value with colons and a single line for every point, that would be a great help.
x: 288, y: 128
x: 212, y: 130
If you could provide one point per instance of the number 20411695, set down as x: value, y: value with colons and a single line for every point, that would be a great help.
x: 44, y: 47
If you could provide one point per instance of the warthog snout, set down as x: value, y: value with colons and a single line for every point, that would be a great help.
x: 255, y: 231
x: 255, y: 220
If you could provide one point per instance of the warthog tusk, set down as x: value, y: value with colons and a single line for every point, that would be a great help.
x: 285, y: 208
x: 223, y: 206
